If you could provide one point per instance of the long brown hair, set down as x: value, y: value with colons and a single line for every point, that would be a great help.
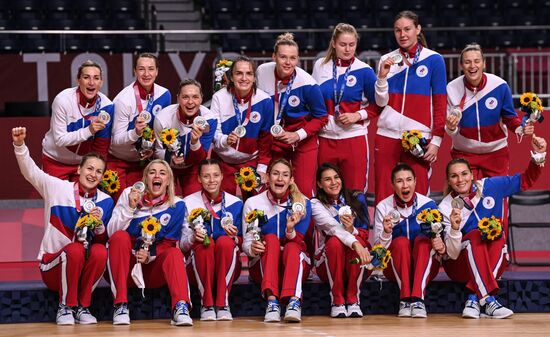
x: 229, y: 73
x: 448, y: 189
x: 414, y: 18
x: 293, y: 189
x: 341, y: 28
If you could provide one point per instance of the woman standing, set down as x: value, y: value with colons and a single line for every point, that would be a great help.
x: 415, y: 255
x: 417, y: 101
x: 341, y: 222
x: 69, y: 263
x: 144, y: 232
x: 213, y: 253
x: 349, y: 87
x: 299, y: 111
x: 475, y: 259
x: 275, y: 223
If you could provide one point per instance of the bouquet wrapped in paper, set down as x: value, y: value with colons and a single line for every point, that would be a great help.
x: 255, y: 219
x: 490, y: 228
x: 197, y: 218
x: 84, y: 230
x: 248, y: 179
x: 430, y: 222
x: 413, y: 142
x: 380, y: 258
x: 171, y: 142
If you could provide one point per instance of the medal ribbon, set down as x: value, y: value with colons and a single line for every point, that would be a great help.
x: 339, y: 94
x: 278, y: 111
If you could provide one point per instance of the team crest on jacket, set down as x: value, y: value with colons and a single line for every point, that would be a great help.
x: 165, y: 219
x: 352, y: 81
x: 156, y: 109
x: 491, y: 103
x: 255, y: 117
x: 294, y: 101
x: 488, y: 202
x: 422, y: 71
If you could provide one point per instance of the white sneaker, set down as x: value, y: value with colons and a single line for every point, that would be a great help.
x: 293, y: 311
x: 224, y: 314
x: 64, y: 315
x: 121, y: 315
x: 493, y: 309
x: 418, y: 310
x: 338, y: 311
x: 354, y: 310
x: 84, y: 316
x: 471, y: 308
x: 208, y: 314
x: 404, y: 309
x: 272, y: 312
x: 180, y: 316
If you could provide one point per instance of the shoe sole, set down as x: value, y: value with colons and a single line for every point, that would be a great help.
x: 419, y: 316
x: 121, y: 323
x: 340, y: 315
x: 293, y: 319
x: 404, y: 315
x: 355, y: 315
x: 85, y: 323
x: 272, y: 321
x: 225, y: 319
x: 68, y: 323
x: 495, y: 317
x: 470, y: 316
x: 209, y: 319
x: 181, y: 323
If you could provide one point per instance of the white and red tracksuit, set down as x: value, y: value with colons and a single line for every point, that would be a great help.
x: 414, y: 263
x: 63, y: 264
x: 482, y: 134
x: 173, y: 117
x: 417, y: 101
x: 166, y: 265
x: 334, y: 252
x: 473, y: 261
x: 69, y: 136
x: 124, y: 156
x: 217, y: 266
x: 304, y: 113
x: 254, y: 149
x: 285, y: 264
x: 347, y: 145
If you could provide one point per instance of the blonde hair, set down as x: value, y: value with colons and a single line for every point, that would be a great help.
x: 293, y: 189
x: 341, y: 28
x: 170, y: 189
x: 285, y: 39
x: 471, y: 47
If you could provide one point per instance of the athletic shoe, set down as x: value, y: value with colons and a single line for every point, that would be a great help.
x: 293, y: 311
x: 272, y: 312
x: 64, y: 315
x: 493, y: 309
x: 180, y: 315
x: 354, y: 310
x: 84, y: 316
x: 121, y: 315
x: 471, y: 308
x: 224, y: 314
x: 208, y: 314
x: 404, y: 309
x: 338, y: 311
x: 418, y: 310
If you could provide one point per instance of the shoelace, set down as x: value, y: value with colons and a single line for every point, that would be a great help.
x: 273, y: 306
x: 122, y: 309
x: 294, y: 304
x: 183, y: 307
x: 83, y: 311
x: 66, y: 311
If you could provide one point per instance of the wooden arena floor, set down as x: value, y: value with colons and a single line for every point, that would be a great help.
x: 372, y: 326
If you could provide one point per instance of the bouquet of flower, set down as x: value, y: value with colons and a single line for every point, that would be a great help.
x: 414, y: 142
x: 532, y: 106
x: 170, y: 140
x: 380, y: 258
x: 84, y: 229
x: 490, y: 228
x: 248, y: 179
x: 197, y: 217
x: 255, y: 218
x: 110, y: 183
x: 220, y: 79
x: 430, y: 222
x: 149, y: 228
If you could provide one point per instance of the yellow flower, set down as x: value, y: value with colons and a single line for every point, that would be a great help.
x: 89, y: 221
x: 251, y: 216
x: 483, y: 224
x: 436, y: 215
x: 168, y: 136
x: 249, y: 185
x: 194, y: 214
x: 108, y: 175
x: 405, y: 144
x: 246, y: 172
x: 113, y: 187
x: 386, y: 260
x: 494, y: 233
x: 416, y: 133
x: 151, y: 225
x: 423, y: 215
x: 224, y: 63
x: 526, y: 98
x: 148, y: 134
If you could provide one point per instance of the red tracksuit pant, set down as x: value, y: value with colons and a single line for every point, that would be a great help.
x: 419, y: 260
x: 71, y: 274
x: 214, y: 268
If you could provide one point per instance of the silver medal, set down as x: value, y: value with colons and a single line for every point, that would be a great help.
x: 226, y: 221
x: 394, y: 216
x: 276, y: 130
x: 397, y: 58
x: 88, y: 206
x: 104, y: 117
x: 298, y: 207
x: 139, y: 186
x: 456, y: 111
x: 457, y: 203
x: 200, y: 122
x: 146, y: 115
x: 240, y: 131
x: 344, y: 210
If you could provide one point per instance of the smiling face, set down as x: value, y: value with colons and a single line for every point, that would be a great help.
x: 286, y: 59
x: 345, y: 46
x: 460, y: 178
x: 404, y: 184
x: 243, y: 77
x: 90, y: 82
x: 146, y: 72
x: 331, y: 183
x: 157, y: 179
x: 90, y: 173
x: 210, y: 178
x: 406, y: 34
x: 280, y: 178
x: 190, y: 99
x: 472, y: 65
